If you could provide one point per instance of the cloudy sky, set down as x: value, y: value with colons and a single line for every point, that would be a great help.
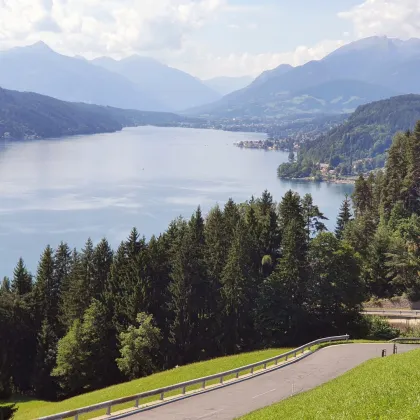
x: 205, y: 37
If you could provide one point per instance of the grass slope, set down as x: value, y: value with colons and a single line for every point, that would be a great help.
x: 31, y: 409
x: 384, y: 388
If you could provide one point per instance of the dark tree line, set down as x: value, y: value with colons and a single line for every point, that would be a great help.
x: 243, y: 277
x: 386, y: 231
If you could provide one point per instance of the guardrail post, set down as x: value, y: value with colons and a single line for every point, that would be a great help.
x: 221, y: 379
x: 108, y: 410
x: 237, y: 375
x: 204, y: 384
x: 265, y: 365
x: 252, y: 371
x: 137, y: 402
x: 161, y: 396
x: 286, y: 358
x: 76, y: 417
x: 183, y: 390
x: 295, y: 353
x: 276, y: 361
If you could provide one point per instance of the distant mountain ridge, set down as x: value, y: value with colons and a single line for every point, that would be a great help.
x: 174, y: 88
x: 39, y: 69
x: 389, y: 66
x: 26, y: 115
x: 133, y: 83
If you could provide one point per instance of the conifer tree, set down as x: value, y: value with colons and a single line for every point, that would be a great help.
x: 313, y: 217
x: 344, y: 217
x: 22, y: 280
x: 5, y: 286
x: 79, y: 293
x: 237, y: 289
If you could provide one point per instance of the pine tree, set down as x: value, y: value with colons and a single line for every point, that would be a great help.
x: 22, y: 280
x: 238, y: 286
x: 412, y: 179
x: 46, y: 351
x: 101, y: 260
x: 269, y: 240
x: 287, y: 284
x: 188, y: 290
x: 79, y: 294
x: 46, y: 290
x: 344, y: 217
x: 5, y: 287
x: 313, y: 217
x: 216, y: 253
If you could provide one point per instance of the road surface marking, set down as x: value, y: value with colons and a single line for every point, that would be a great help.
x: 209, y: 414
x: 265, y: 393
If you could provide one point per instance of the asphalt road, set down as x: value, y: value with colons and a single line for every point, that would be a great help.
x: 241, y: 398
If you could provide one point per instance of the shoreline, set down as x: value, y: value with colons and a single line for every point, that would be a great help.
x: 345, y: 181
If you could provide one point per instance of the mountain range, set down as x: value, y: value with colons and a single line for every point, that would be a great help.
x: 133, y: 83
x: 174, y: 88
x: 27, y: 115
x: 361, y: 72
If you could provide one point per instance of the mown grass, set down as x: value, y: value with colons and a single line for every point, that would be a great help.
x: 32, y: 409
x: 383, y: 388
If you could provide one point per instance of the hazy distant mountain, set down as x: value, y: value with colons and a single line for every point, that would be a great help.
x: 225, y: 85
x: 39, y: 69
x: 270, y: 74
x: 27, y: 115
x: 174, y: 88
x: 391, y: 65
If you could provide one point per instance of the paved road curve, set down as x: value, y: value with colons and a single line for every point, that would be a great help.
x: 241, y: 398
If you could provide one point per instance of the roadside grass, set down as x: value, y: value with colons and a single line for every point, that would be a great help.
x: 383, y: 388
x: 29, y: 409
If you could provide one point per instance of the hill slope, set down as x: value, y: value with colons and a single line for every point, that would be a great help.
x: 174, y: 88
x: 39, y: 69
x: 367, y: 133
x: 30, y: 115
x: 390, y: 64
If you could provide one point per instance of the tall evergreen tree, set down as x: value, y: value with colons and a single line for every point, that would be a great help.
x: 344, y: 217
x: 22, y: 280
x: 5, y: 286
x: 237, y: 287
x: 313, y: 217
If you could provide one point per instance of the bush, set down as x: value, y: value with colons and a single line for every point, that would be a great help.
x: 380, y: 329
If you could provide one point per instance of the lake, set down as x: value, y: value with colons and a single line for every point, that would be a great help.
x: 103, y: 185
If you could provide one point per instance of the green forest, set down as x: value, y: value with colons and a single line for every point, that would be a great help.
x: 360, y: 144
x: 27, y: 115
x: 246, y: 276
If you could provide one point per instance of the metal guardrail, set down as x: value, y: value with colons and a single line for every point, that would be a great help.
x: 183, y: 386
x: 392, y: 312
x: 405, y: 339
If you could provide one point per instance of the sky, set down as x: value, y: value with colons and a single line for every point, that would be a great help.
x: 206, y: 38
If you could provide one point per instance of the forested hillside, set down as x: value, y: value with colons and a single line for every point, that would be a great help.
x: 246, y: 276
x: 361, y: 142
x: 29, y: 115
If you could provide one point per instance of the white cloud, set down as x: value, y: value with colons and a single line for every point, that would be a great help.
x: 97, y: 27
x: 209, y: 65
x: 395, y: 18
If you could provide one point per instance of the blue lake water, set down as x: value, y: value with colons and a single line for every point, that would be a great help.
x: 103, y: 185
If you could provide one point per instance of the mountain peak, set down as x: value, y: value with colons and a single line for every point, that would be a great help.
x: 39, y: 46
